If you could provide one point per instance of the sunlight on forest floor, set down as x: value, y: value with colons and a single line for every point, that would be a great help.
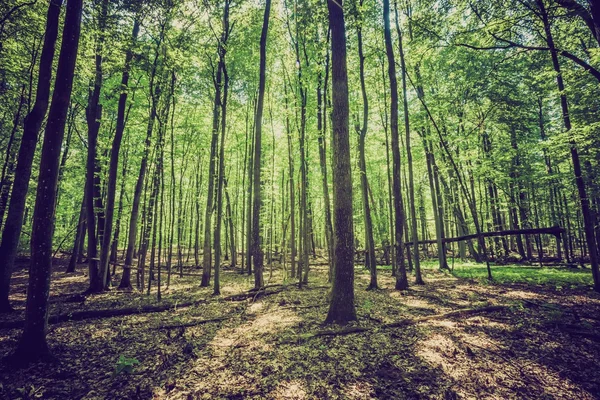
x: 543, y: 344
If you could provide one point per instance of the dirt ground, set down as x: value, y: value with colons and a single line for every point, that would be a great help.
x: 543, y: 344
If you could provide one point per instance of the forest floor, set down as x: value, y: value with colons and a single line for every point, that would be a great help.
x: 518, y: 340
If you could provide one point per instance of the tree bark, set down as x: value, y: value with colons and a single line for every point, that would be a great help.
x: 370, y: 261
x: 111, y: 185
x: 401, y: 279
x: 588, y: 222
x: 341, y: 307
x: 256, y: 245
x: 32, y: 343
x: 33, y: 122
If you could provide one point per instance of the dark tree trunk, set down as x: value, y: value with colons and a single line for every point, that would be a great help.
x: 292, y: 191
x: 206, y: 247
x: 79, y: 238
x: 588, y: 221
x: 370, y: 261
x: 32, y: 344
x: 94, y: 116
x: 411, y: 184
x: 256, y: 245
x: 341, y: 307
x: 221, y: 175
x: 322, y: 128
x: 111, y: 185
x: 137, y: 193
x: 8, y: 168
x: 401, y: 279
x: 33, y: 122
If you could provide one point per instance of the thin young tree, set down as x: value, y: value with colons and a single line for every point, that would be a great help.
x: 111, y: 185
x: 401, y: 279
x: 256, y: 248
x: 362, y: 162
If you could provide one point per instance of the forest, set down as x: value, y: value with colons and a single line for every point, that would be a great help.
x: 299, y: 199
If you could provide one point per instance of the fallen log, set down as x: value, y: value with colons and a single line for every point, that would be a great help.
x: 106, y: 313
x: 119, y: 312
x: 555, y: 230
x: 406, y: 322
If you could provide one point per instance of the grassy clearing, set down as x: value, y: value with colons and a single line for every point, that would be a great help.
x: 557, y: 277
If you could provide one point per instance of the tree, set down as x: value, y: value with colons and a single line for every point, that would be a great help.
x: 256, y: 249
x: 401, y: 279
x: 33, y: 122
x: 341, y: 306
x: 32, y: 343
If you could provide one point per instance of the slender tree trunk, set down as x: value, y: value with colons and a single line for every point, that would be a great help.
x: 32, y: 344
x: 206, y: 248
x: 94, y: 116
x: 370, y: 261
x: 588, y: 222
x: 256, y: 247
x: 322, y: 128
x: 292, y: 190
x: 79, y: 237
x: 220, y: 181
x: 401, y: 279
x: 8, y: 168
x: 137, y: 194
x: 114, y: 163
x: 33, y: 122
x: 411, y: 183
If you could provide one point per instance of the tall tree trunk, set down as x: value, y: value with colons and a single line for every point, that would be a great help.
x: 33, y: 122
x: 137, y: 193
x: 341, y: 307
x: 111, y: 185
x: 220, y: 179
x: 362, y: 133
x: 206, y: 248
x: 411, y: 183
x: 94, y: 116
x: 292, y: 189
x: 322, y: 128
x: 401, y: 279
x: 256, y: 247
x: 32, y: 344
x: 8, y: 168
x: 588, y: 221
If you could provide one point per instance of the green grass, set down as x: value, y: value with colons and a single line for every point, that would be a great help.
x: 558, y: 277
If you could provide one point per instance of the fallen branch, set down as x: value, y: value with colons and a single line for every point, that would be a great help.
x: 555, y: 230
x: 106, y: 313
x: 119, y: 312
x: 408, y: 322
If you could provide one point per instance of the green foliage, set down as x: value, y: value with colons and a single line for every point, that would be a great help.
x: 125, y: 365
